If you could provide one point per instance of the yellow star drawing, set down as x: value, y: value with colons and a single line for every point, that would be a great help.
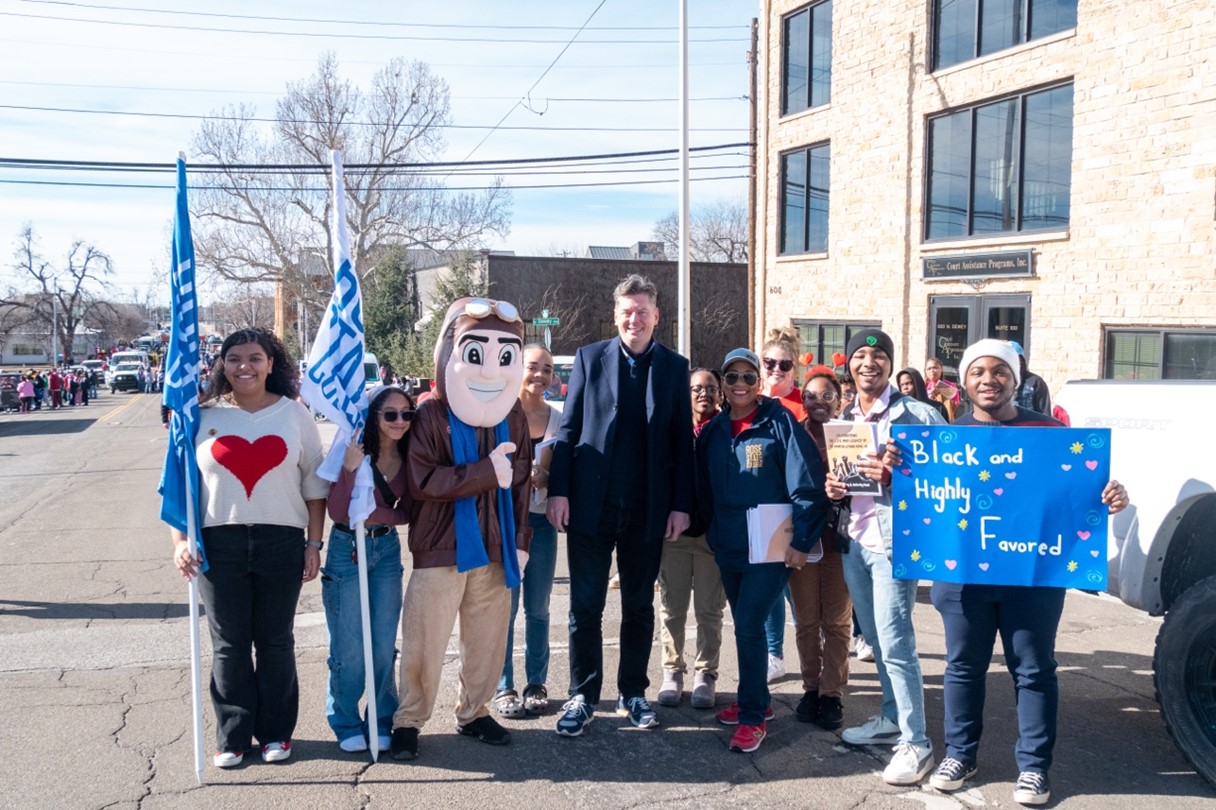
x: 985, y: 475
x: 915, y: 555
x: 1076, y: 448
x: 903, y: 506
x: 1072, y: 566
x: 962, y: 524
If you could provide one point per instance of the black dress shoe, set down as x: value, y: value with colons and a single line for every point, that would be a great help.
x: 404, y: 744
x: 487, y: 730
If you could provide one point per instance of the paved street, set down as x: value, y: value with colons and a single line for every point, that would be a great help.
x: 94, y: 682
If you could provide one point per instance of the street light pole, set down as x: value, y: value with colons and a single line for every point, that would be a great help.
x: 55, y: 327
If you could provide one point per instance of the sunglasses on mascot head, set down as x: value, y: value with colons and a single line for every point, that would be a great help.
x: 771, y: 363
x: 480, y: 308
x: 749, y: 378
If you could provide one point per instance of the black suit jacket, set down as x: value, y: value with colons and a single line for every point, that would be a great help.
x: 582, y: 454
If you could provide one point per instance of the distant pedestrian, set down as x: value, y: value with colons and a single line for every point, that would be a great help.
x: 1033, y: 392
x: 55, y: 386
x: 911, y: 384
x: 25, y: 394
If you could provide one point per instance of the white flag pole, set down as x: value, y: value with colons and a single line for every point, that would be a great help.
x: 369, y: 672
x: 196, y: 668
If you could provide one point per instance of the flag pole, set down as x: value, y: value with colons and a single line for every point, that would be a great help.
x: 196, y: 668
x: 369, y: 672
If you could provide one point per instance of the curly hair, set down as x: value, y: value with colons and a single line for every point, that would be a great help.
x: 371, y: 438
x: 785, y: 339
x: 824, y: 373
x: 284, y: 377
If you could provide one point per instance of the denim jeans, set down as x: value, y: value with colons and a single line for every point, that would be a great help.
x: 590, y: 558
x: 537, y: 585
x: 344, y: 619
x: 774, y: 626
x: 250, y: 593
x: 752, y: 594
x: 1027, y: 620
x: 884, y: 611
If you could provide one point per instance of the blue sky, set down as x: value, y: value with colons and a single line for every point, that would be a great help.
x: 133, y: 59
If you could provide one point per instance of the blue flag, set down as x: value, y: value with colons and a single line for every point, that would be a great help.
x: 181, y: 378
x: 334, y: 380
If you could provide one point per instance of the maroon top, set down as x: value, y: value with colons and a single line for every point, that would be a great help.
x: 384, y: 514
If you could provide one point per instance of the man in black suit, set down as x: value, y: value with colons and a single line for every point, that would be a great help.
x: 621, y: 478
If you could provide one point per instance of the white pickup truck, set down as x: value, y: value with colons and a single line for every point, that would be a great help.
x: 1162, y: 554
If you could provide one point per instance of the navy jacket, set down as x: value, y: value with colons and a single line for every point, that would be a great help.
x: 582, y: 454
x: 789, y: 470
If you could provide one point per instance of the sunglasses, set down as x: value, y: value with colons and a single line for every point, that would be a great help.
x: 784, y: 365
x: 405, y: 414
x: 704, y: 389
x: 829, y: 396
x: 480, y: 308
x: 749, y: 378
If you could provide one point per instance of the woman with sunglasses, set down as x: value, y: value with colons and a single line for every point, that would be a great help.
x: 754, y: 453
x: 385, y: 442
x: 823, y: 611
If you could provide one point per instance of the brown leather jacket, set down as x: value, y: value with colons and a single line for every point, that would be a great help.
x: 437, y: 482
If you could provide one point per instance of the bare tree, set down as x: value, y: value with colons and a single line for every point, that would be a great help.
x: 256, y: 225
x: 717, y: 232
x: 66, y: 294
x: 239, y: 304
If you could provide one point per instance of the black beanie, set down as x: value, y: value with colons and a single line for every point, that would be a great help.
x: 870, y: 337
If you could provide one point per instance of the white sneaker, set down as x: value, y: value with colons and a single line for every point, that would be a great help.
x: 909, y: 765
x: 227, y: 759
x: 276, y: 751
x: 878, y: 730
x: 354, y: 744
x: 776, y: 667
x: 862, y: 648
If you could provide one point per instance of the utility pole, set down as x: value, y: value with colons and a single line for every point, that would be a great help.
x: 683, y: 294
x: 55, y: 327
x: 752, y: 69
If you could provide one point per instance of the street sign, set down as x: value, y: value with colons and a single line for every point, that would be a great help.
x: 546, y: 321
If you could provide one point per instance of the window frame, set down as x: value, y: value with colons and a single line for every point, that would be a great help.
x: 1024, y: 35
x: 808, y: 101
x: 1162, y: 333
x: 807, y: 248
x: 824, y: 356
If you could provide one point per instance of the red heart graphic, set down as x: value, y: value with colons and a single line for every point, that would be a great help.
x: 249, y: 461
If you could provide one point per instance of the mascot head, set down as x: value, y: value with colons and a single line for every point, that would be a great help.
x: 479, y: 360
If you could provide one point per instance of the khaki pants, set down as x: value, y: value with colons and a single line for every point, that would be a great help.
x: 822, y: 604
x: 688, y: 568
x: 433, y: 600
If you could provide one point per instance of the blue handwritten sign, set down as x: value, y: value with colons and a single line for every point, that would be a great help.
x: 1001, y: 505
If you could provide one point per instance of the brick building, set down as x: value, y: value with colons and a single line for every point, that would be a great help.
x: 1038, y: 170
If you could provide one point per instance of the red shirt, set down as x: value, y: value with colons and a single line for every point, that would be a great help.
x: 737, y: 426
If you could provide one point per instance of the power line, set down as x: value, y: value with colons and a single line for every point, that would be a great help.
x: 326, y: 190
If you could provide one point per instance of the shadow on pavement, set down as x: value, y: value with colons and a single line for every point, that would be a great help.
x: 44, y: 427
x: 94, y: 610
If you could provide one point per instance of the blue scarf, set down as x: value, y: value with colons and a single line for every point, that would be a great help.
x: 470, y: 546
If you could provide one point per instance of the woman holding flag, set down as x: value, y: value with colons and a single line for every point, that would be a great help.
x: 385, y: 442
x: 262, y: 515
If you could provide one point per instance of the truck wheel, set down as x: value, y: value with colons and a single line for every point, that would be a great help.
x: 1184, y: 674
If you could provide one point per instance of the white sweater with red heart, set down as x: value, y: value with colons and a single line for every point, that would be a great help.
x: 258, y: 467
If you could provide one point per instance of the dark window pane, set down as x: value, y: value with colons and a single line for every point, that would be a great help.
x: 793, y: 192
x: 817, y: 235
x: 950, y: 330
x: 1000, y: 26
x: 1051, y: 16
x: 1133, y: 356
x: 955, y: 32
x: 1007, y: 323
x: 1047, y: 176
x: 835, y: 338
x: 995, y: 180
x: 1190, y: 357
x: 797, y: 62
x: 949, y: 166
x: 821, y: 54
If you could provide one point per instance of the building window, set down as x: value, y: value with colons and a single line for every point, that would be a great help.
x: 1001, y: 167
x: 966, y: 29
x: 28, y: 350
x: 804, y: 200
x: 1139, y: 354
x: 806, y: 66
x: 824, y: 338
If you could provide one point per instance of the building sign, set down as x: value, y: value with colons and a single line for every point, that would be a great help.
x: 1011, y: 264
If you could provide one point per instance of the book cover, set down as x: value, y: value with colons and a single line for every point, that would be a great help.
x: 846, y: 443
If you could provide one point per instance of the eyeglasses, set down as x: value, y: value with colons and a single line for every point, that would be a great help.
x: 480, y: 308
x: 406, y: 415
x: 829, y: 396
x: 704, y: 389
x: 784, y: 365
x: 749, y: 378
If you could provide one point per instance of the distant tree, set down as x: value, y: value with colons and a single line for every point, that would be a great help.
x: 717, y: 232
x: 390, y: 301
x: 65, y: 294
x: 412, y: 353
x: 263, y: 225
x: 240, y: 304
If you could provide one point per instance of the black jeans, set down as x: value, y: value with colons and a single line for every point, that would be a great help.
x: 590, y: 559
x: 250, y: 592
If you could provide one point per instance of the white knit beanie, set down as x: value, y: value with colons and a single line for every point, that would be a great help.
x: 991, y: 347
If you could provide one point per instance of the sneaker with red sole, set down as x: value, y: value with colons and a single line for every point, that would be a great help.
x: 228, y: 759
x: 730, y: 715
x: 747, y: 738
x: 276, y: 751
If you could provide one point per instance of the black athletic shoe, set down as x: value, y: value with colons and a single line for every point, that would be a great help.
x: 831, y: 713
x: 487, y: 730
x: 404, y: 743
x: 807, y: 710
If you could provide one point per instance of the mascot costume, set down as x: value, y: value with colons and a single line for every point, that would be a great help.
x: 469, y: 464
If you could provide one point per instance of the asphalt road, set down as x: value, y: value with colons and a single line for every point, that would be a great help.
x: 94, y: 683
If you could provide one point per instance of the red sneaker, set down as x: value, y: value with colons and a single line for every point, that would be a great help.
x: 730, y: 715
x: 747, y: 738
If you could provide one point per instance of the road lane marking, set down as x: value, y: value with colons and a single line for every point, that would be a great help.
x: 126, y: 404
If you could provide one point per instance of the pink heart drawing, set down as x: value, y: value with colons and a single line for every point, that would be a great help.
x: 1065, y: 467
x: 907, y: 532
x: 906, y: 470
x: 926, y: 521
x: 1083, y: 535
x: 1093, y: 465
x: 1094, y: 553
x: 901, y: 435
x: 924, y: 433
x: 1011, y: 475
x: 983, y: 566
x: 951, y: 564
x: 998, y: 491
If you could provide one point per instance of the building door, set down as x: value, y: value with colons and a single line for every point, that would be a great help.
x: 957, y: 321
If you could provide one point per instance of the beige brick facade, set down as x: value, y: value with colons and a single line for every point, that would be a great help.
x: 1140, y: 247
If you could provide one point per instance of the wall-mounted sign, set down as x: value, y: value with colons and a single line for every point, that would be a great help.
x: 1011, y: 264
